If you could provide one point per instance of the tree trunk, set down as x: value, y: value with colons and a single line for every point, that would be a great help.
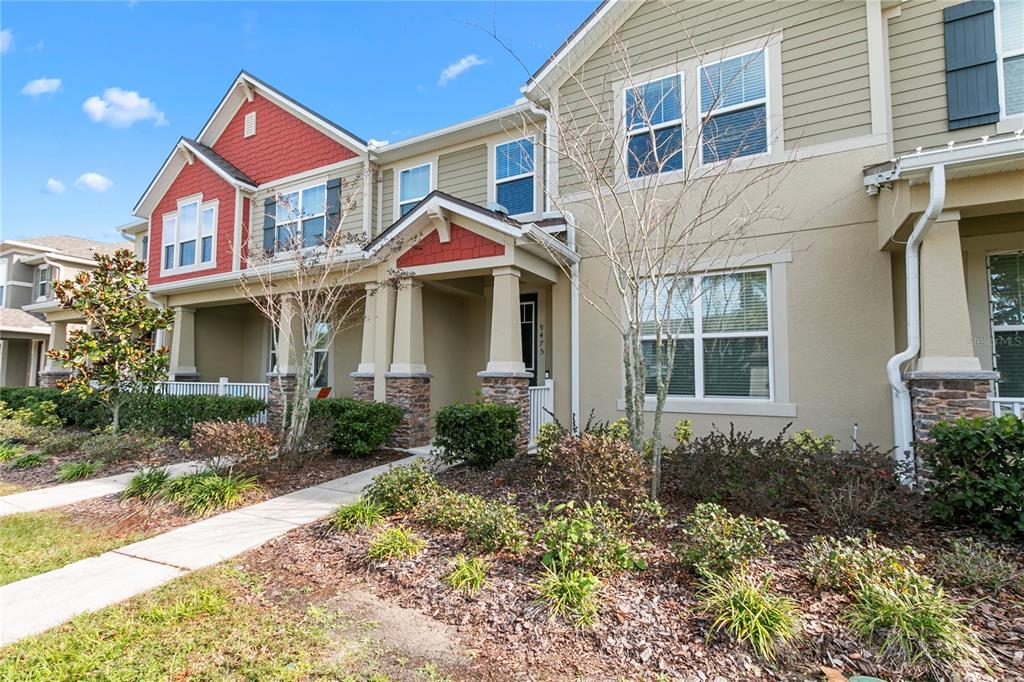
x: 116, y: 418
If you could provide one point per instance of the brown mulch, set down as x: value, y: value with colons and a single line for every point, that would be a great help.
x: 650, y: 623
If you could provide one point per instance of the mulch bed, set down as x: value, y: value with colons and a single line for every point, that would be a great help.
x: 649, y: 623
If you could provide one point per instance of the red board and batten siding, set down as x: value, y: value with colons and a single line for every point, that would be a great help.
x: 464, y: 245
x: 283, y: 144
x: 194, y: 179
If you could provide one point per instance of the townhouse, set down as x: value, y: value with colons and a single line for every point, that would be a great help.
x: 886, y: 293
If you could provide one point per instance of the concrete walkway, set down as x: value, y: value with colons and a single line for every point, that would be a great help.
x: 69, y: 493
x: 41, y: 602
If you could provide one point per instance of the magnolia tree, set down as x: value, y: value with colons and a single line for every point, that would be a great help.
x: 309, y: 282
x: 660, y: 200
x: 114, y: 356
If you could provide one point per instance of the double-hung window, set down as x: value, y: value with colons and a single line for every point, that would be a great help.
x: 721, y: 326
x: 3, y: 280
x: 188, y: 234
x: 319, y: 372
x: 42, y: 283
x: 1011, y: 55
x: 413, y: 185
x: 654, y: 127
x: 513, y: 176
x: 272, y: 338
x: 734, y: 108
x: 1006, y: 282
x: 302, y: 214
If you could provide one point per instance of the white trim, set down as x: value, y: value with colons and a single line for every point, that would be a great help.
x: 215, y: 168
x: 296, y: 212
x: 25, y: 330
x: 277, y: 183
x: 766, y: 101
x: 627, y: 134
x: 737, y: 406
x: 432, y: 174
x: 191, y: 154
x: 199, y: 264
x: 878, y: 61
x: 1001, y: 57
x: 992, y: 327
x: 394, y: 147
x: 236, y: 235
x: 492, y: 170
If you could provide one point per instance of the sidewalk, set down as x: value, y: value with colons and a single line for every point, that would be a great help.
x: 38, y: 603
x: 69, y: 493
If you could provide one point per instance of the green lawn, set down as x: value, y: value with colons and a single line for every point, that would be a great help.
x: 215, y: 624
x: 37, y: 542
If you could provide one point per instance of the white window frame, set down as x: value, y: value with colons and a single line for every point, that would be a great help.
x: 1017, y: 119
x: 326, y: 352
x: 629, y: 134
x: 532, y: 174
x: 705, y: 117
x: 4, y: 270
x: 992, y: 326
x: 174, y: 240
x: 52, y: 272
x: 399, y: 202
x: 297, y: 216
x: 273, y: 336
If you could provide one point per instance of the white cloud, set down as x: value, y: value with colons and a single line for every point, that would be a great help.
x: 41, y: 86
x: 6, y: 40
x: 54, y: 186
x: 121, y: 108
x: 94, y: 182
x: 453, y: 71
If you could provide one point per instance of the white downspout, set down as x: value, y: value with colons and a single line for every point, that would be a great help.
x: 902, y: 418
x: 574, y: 322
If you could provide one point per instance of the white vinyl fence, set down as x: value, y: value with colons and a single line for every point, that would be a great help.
x: 542, y: 406
x: 222, y: 387
x: 1001, y: 406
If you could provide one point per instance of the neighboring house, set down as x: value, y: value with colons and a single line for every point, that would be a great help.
x: 897, y: 88
x: 28, y: 269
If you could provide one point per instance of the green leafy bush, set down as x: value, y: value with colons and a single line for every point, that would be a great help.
x: 497, y: 526
x: 597, y: 467
x: 714, y: 542
x: 468, y: 574
x: 973, y: 564
x: 845, y: 564
x: 918, y: 631
x: 42, y: 413
x: 18, y: 433
x: 116, y: 447
x: 147, y: 484
x: 395, y: 543
x: 450, y: 510
x: 570, y: 595
x: 479, y: 434
x: 247, y: 445
x: 358, y: 427
x: 208, y: 491
x: 748, y: 611
x: 591, y: 537
x: 71, y: 409
x: 9, y: 451
x: 362, y: 513
x: 73, y: 471
x: 683, y: 431
x: 978, y: 467
x: 26, y: 461
x: 58, y: 442
x: 174, y: 415
x: 547, y: 437
x: 402, y: 489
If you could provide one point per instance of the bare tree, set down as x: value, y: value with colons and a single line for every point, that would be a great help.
x: 658, y: 199
x: 309, y: 283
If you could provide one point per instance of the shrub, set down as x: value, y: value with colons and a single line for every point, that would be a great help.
x: 479, y: 434
x: 467, y: 575
x: 714, y: 542
x: 26, y: 461
x: 974, y: 564
x: 72, y: 409
x: 245, y: 444
x: 42, y: 413
x: 73, y: 471
x: 496, y: 527
x: 9, y: 451
x: 683, y: 432
x: 174, y: 415
x: 146, y: 484
x: 16, y: 432
x: 587, y: 538
x: 401, y: 489
x: 208, y: 491
x: 359, y: 514
x: 58, y: 442
x: 450, y: 510
x: 115, y: 447
x: 978, y: 467
x: 570, y: 595
x: 547, y: 437
x: 850, y: 562
x: 395, y: 543
x: 917, y: 630
x: 749, y: 612
x: 597, y: 467
x: 358, y: 427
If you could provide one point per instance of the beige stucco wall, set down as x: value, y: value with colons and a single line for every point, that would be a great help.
x: 230, y: 342
x: 453, y: 345
x: 17, y: 357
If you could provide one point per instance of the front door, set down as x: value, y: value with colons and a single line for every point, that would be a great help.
x: 1006, y: 282
x: 528, y: 329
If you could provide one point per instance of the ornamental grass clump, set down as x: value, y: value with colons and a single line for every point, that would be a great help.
x: 978, y: 565
x: 9, y: 451
x: 714, y: 542
x: 748, y: 611
x: 845, y: 564
x: 395, y: 543
x: 402, y: 489
x: 362, y: 513
x: 468, y: 575
x: 572, y: 595
x: 147, y: 484
x: 26, y: 461
x: 73, y: 471
x: 208, y: 491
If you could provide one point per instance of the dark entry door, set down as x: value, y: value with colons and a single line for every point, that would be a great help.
x: 528, y: 329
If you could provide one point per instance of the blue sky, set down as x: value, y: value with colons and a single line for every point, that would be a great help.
x: 133, y: 77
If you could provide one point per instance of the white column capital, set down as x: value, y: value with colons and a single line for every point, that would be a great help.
x: 506, y: 270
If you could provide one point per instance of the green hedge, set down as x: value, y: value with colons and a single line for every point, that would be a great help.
x: 978, y: 466
x: 359, y: 426
x: 478, y: 434
x: 164, y: 415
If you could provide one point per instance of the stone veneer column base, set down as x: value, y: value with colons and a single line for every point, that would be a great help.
x: 282, y: 386
x: 944, y: 396
x: 510, y: 389
x: 362, y: 386
x: 50, y: 379
x: 411, y: 392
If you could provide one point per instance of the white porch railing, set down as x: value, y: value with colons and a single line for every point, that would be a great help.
x: 222, y: 387
x: 1001, y: 406
x: 542, y: 405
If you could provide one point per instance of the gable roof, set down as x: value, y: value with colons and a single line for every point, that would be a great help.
x: 219, y: 163
x: 67, y: 245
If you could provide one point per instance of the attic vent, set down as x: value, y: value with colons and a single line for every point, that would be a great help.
x: 250, y: 124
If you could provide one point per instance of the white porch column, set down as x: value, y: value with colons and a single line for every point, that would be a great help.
x: 383, y: 337
x: 408, y: 352
x: 290, y: 339
x: 506, y: 343
x: 183, y: 346
x: 58, y: 341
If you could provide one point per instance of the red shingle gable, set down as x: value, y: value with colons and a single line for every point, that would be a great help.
x: 464, y: 245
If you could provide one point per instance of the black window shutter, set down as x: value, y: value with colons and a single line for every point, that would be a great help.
x: 269, y: 223
x: 333, y: 206
x: 972, y: 83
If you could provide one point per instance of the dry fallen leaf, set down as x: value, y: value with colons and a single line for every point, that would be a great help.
x: 833, y: 675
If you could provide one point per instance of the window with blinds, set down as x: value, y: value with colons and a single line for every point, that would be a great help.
x: 1006, y: 287
x: 721, y: 326
x: 513, y: 176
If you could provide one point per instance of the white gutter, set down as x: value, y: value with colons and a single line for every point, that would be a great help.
x: 902, y: 419
x: 541, y: 111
